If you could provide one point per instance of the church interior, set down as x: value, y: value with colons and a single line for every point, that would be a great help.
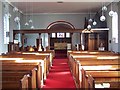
x: 59, y: 44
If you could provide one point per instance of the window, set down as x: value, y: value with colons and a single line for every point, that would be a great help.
x: 53, y: 35
x: 115, y: 27
x: 60, y: 35
x: 67, y: 35
x: 6, y: 29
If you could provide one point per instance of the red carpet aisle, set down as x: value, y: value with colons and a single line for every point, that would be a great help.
x: 59, y: 76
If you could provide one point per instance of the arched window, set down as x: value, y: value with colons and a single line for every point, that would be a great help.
x: 115, y: 27
x: 6, y: 29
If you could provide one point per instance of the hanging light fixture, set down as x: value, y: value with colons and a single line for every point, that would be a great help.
x: 102, y: 18
x: 111, y: 11
x: 15, y: 9
x: 32, y: 27
x: 26, y: 24
x: 31, y: 20
x: 88, y: 29
x: 16, y: 19
x: 104, y: 8
x: 90, y: 19
x: 94, y: 23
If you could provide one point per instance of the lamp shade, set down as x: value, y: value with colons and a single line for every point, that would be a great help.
x: 104, y: 8
x: 26, y: 24
x: 16, y: 19
x: 90, y: 20
x: 30, y: 21
x: 102, y: 18
x: 89, y: 26
x: 94, y: 23
x: 111, y: 13
x: 15, y: 9
x: 32, y: 27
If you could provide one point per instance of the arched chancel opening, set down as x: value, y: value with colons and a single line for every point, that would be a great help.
x: 60, y: 40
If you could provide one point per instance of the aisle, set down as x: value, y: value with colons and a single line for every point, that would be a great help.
x: 59, y: 76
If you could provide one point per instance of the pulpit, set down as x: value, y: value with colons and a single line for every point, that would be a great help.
x: 13, y: 47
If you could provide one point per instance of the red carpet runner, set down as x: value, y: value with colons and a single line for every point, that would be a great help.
x: 59, y: 75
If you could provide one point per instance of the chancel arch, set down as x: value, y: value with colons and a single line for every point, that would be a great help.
x: 60, y: 37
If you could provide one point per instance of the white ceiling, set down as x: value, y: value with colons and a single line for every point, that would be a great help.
x: 51, y: 6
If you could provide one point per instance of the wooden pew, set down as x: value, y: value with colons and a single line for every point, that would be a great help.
x: 76, y: 69
x: 44, y: 59
x: 101, y: 77
x: 91, y: 53
x: 90, y: 61
x: 91, y: 57
x: 50, y: 52
x: 78, y: 72
x: 90, y: 79
x: 15, y: 81
x: 11, y: 65
x: 87, y: 54
x: 23, y: 68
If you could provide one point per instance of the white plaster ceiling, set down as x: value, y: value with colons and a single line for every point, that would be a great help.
x: 51, y: 6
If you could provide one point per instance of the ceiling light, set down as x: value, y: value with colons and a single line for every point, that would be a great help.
x: 32, y: 27
x: 16, y: 19
x: 102, y: 18
x: 15, y: 9
x: 94, y: 23
x: 104, y: 8
x: 111, y: 13
x: 89, y: 26
x: 30, y: 21
x: 90, y: 20
x: 26, y: 24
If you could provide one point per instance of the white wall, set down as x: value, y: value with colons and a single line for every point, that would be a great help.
x: 13, y: 25
x: 0, y: 39
x: 112, y: 46
x: 1, y: 27
x: 119, y: 27
x: 3, y: 47
x: 41, y: 21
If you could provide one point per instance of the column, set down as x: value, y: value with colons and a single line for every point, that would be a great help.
x: 22, y: 38
x: 40, y: 39
x: 71, y: 35
x: 40, y: 43
x: 14, y: 36
x: 80, y: 38
x: 98, y: 40
x: 80, y: 42
x: 49, y: 40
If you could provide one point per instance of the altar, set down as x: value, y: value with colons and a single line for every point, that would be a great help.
x: 60, y: 46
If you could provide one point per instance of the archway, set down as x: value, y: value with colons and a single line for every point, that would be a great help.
x: 60, y: 25
x: 59, y: 41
